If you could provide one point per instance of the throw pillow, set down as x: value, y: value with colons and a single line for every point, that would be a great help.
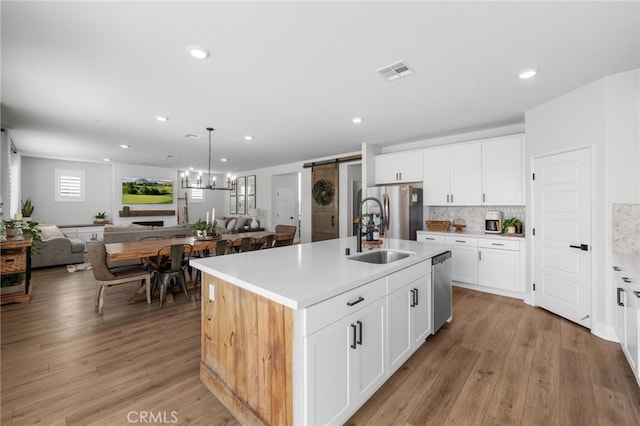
x: 231, y: 224
x: 240, y: 222
x: 50, y: 231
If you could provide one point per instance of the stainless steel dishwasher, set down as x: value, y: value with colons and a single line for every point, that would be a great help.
x: 441, y: 296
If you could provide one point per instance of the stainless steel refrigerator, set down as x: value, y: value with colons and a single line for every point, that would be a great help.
x: 402, y: 206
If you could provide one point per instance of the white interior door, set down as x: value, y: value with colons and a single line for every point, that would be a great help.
x: 562, y: 241
x: 285, y: 207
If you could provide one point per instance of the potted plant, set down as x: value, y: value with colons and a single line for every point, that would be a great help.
x: 203, y: 229
x: 31, y: 229
x: 26, y: 208
x: 10, y: 227
x: 509, y: 225
x: 100, y: 217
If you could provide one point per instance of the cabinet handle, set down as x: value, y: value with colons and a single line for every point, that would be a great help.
x: 208, y: 338
x: 615, y: 268
x: 637, y: 293
x: 479, y: 255
x: 359, y: 341
x: 413, y: 298
x: 355, y: 302
x: 417, y: 297
x: 429, y: 238
x: 353, y: 345
x: 452, y: 198
x: 497, y: 244
x: 461, y: 241
x: 618, y: 291
x: 447, y: 198
x: 483, y: 197
x: 333, y: 220
x: 626, y: 280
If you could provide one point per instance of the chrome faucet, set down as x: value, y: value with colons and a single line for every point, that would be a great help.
x: 359, y: 239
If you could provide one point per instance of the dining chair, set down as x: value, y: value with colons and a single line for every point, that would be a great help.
x: 285, y: 229
x: 223, y: 247
x: 216, y: 248
x: 268, y: 242
x: 106, y: 277
x: 147, y: 263
x: 173, y: 268
x: 247, y: 244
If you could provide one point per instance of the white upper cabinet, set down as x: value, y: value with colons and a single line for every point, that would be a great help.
x: 398, y: 167
x: 502, y: 178
x: 487, y: 172
x: 452, y: 175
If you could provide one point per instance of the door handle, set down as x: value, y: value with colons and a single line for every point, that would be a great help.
x: 583, y: 247
x: 619, y: 290
x: 333, y: 220
x: 359, y: 341
x: 354, y: 328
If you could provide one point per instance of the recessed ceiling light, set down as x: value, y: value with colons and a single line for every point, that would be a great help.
x: 107, y: 159
x: 527, y: 74
x: 224, y: 160
x: 124, y: 146
x: 162, y: 118
x: 198, y: 52
x: 191, y: 168
x: 356, y: 120
x: 248, y: 138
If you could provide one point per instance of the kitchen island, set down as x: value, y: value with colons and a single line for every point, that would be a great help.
x: 304, y: 334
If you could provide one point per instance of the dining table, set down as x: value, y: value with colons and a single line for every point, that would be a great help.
x: 148, y: 249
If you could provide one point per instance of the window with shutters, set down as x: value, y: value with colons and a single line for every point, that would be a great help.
x: 197, y: 195
x: 70, y: 185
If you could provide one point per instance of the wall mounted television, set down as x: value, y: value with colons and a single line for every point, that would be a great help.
x: 146, y: 191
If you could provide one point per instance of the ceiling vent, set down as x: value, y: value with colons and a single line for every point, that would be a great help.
x: 192, y: 136
x: 396, y: 70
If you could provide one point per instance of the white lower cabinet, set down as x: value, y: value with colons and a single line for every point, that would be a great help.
x: 409, y: 320
x: 464, y: 259
x: 345, y: 365
x: 493, y: 263
x: 347, y: 360
x: 628, y: 316
x: 499, y: 264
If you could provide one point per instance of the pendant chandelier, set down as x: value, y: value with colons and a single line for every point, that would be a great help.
x: 211, y: 180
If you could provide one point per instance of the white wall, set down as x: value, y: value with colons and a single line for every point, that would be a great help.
x: 602, y: 115
x: 38, y: 182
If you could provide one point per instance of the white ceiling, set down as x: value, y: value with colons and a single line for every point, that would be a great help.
x: 79, y: 78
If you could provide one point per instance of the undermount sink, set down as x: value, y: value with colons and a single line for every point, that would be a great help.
x: 381, y: 256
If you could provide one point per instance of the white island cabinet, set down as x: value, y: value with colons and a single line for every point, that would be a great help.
x: 301, y: 335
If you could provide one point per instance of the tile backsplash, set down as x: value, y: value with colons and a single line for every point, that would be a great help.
x: 472, y: 215
x: 626, y: 228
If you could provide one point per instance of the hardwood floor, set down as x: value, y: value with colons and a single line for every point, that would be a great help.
x: 500, y: 362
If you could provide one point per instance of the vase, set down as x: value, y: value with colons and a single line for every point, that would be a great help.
x: 254, y: 223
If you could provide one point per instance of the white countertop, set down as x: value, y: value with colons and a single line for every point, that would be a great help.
x: 301, y: 275
x: 477, y: 234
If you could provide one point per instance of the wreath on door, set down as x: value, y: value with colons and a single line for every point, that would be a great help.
x: 322, y: 192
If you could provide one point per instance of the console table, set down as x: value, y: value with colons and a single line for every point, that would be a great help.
x: 15, y: 268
